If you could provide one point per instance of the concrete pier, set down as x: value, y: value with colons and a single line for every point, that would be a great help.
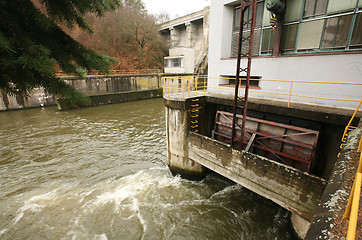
x: 177, y: 125
x: 297, y: 191
x: 189, y: 153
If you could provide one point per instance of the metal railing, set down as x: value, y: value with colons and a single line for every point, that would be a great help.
x: 114, y: 72
x: 190, y: 86
x: 352, y: 208
x: 349, y: 127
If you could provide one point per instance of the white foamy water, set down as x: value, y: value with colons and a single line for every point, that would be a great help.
x: 100, y: 173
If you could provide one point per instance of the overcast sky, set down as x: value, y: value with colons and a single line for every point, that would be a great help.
x: 176, y: 8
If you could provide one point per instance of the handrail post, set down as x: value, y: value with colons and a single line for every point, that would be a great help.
x: 290, y: 92
x: 350, y: 121
x: 189, y: 86
x: 183, y: 88
x: 196, y: 83
x: 168, y: 87
x: 204, y: 86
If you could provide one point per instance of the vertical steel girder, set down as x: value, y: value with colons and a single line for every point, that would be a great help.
x: 244, y: 4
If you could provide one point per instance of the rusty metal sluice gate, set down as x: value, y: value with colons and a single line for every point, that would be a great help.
x: 291, y: 145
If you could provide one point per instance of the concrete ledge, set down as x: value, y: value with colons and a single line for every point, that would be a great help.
x: 309, y: 112
x: 180, y: 104
x: 324, y: 114
x: 292, y: 189
x: 328, y: 222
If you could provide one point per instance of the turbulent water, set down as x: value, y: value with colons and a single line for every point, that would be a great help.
x: 101, y: 173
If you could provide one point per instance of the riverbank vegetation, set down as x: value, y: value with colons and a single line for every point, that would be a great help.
x: 128, y: 34
x: 40, y: 37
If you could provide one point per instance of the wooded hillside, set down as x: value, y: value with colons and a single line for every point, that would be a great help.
x: 128, y: 34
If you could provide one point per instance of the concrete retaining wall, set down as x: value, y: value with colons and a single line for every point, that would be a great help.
x: 104, y: 87
x: 100, y: 85
x: 104, y: 99
x: 292, y: 189
x: 37, y: 98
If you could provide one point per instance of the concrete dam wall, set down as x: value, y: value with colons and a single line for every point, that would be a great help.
x: 193, y: 150
x: 101, y: 89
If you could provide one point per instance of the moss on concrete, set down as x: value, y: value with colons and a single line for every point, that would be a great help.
x: 328, y: 222
x: 96, y: 100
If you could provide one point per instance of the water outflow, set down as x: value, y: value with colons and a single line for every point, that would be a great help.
x: 100, y: 173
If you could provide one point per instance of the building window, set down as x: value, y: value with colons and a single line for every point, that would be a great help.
x: 356, y: 40
x: 267, y: 41
x: 310, y: 34
x: 338, y: 6
x: 246, y: 29
x: 176, y: 62
x: 289, y: 37
x: 173, y: 62
x: 309, y: 26
x: 314, y: 8
x: 335, y: 34
x: 254, y: 81
x: 325, y: 26
x: 293, y: 10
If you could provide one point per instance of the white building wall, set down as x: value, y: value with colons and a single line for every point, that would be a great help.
x: 187, y: 56
x: 327, y: 68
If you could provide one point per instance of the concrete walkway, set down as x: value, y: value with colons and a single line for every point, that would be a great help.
x: 328, y: 222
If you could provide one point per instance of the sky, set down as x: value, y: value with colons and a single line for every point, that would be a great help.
x: 175, y: 8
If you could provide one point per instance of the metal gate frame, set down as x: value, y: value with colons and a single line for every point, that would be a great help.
x: 294, y: 146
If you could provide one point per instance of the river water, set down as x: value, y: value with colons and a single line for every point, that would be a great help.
x: 101, y: 173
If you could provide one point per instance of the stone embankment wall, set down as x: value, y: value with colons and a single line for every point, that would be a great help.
x: 101, y: 89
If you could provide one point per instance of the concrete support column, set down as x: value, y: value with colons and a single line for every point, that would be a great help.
x: 189, y: 34
x: 177, y: 127
x: 173, y: 37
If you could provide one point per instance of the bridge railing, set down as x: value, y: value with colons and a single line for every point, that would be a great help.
x: 115, y: 72
x: 290, y: 91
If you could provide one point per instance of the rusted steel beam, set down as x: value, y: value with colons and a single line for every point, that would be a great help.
x: 244, y: 5
x: 282, y: 145
x: 248, y: 72
x: 253, y: 5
